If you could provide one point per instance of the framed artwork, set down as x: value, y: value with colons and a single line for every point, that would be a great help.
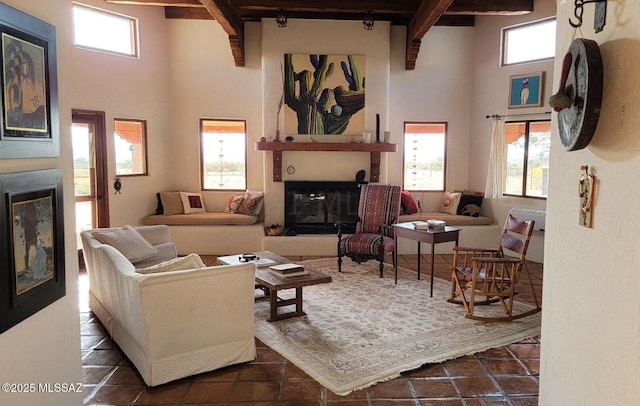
x: 32, y: 268
x: 29, y: 119
x: 526, y: 90
x: 324, y: 94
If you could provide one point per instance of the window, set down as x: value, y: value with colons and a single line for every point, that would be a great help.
x: 130, y: 139
x: 223, y: 154
x: 529, y: 42
x: 528, y: 145
x: 103, y: 30
x: 425, y: 147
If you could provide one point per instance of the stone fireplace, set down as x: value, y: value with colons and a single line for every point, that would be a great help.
x: 313, y: 207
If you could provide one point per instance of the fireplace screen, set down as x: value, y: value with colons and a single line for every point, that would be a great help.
x: 314, y: 207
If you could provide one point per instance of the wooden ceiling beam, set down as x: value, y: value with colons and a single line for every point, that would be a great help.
x: 188, y: 13
x: 425, y: 17
x: 166, y: 3
x: 230, y: 21
x: 491, y: 7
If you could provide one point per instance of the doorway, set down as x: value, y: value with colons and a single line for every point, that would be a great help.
x: 89, y: 140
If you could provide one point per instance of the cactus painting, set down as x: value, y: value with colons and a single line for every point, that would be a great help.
x: 324, y: 94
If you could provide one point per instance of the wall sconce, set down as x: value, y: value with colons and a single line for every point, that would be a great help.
x: 281, y: 19
x: 367, y: 22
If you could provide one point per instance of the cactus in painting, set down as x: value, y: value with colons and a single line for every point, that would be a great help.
x: 321, y: 110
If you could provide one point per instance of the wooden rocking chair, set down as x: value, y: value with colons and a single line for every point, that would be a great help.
x: 489, y: 276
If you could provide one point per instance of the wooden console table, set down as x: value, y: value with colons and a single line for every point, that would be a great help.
x: 277, y: 147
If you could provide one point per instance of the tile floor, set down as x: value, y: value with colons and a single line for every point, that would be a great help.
x: 501, y: 376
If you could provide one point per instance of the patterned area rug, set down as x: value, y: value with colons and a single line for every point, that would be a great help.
x: 361, y: 329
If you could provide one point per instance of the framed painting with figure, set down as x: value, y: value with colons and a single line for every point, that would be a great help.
x: 29, y: 123
x: 526, y: 90
x: 32, y: 248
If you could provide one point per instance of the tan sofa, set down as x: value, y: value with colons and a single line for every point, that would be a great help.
x: 171, y: 324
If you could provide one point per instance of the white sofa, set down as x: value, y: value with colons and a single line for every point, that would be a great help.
x: 171, y: 324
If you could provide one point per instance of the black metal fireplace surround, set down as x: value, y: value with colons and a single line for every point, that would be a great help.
x: 313, y: 207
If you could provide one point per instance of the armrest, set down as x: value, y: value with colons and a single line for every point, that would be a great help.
x: 473, y: 249
x: 208, y: 305
x: 339, y: 224
x: 502, y: 260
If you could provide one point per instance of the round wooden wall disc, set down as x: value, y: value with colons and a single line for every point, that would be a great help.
x: 578, y: 122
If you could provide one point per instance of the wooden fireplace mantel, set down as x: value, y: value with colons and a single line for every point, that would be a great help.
x: 374, y: 149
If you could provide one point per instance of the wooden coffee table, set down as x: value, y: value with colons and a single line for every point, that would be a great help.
x: 271, y: 284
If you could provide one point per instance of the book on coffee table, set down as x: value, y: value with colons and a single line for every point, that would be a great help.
x: 287, y: 270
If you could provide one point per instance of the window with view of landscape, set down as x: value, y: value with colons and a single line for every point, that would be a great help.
x: 424, y: 156
x: 223, y: 154
x: 528, y: 144
x: 130, y: 140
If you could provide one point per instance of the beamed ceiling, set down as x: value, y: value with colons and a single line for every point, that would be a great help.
x: 417, y: 15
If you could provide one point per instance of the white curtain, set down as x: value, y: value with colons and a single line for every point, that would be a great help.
x: 497, y: 160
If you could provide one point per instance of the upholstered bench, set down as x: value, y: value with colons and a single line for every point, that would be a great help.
x: 216, y: 227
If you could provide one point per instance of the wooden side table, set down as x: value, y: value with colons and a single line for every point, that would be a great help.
x: 407, y: 230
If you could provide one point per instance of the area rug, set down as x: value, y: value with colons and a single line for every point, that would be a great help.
x: 361, y: 329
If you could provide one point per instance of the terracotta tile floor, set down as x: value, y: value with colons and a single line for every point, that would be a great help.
x: 501, y: 376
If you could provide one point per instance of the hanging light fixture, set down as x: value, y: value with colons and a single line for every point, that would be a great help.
x: 367, y: 22
x: 281, y: 19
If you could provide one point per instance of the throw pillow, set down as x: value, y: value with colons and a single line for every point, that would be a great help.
x: 233, y: 204
x: 171, y: 203
x: 407, y: 203
x: 258, y: 200
x: 129, y: 242
x: 191, y: 261
x: 192, y: 202
x: 450, y: 202
x: 159, y: 208
x: 249, y: 205
x: 470, y: 205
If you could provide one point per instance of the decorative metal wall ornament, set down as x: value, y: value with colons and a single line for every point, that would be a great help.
x: 599, y: 18
x: 579, y: 98
x: 586, y: 189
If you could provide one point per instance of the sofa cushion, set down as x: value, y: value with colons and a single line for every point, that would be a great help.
x: 129, y: 242
x: 256, y: 200
x: 233, y: 204
x: 192, y: 202
x: 449, y: 219
x: 200, y: 219
x: 250, y: 205
x: 470, y: 205
x: 408, y: 205
x: 171, y: 203
x: 191, y: 261
x: 450, y: 202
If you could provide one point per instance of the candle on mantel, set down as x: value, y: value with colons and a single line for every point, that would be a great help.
x: 377, y: 127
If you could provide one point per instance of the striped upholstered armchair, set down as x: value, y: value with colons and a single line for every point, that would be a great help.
x: 378, y: 209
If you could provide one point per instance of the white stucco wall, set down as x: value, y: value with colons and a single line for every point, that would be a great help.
x: 45, y: 348
x: 489, y: 96
x: 205, y: 83
x: 121, y: 87
x: 321, y: 37
x: 591, y: 306
x: 438, y: 89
